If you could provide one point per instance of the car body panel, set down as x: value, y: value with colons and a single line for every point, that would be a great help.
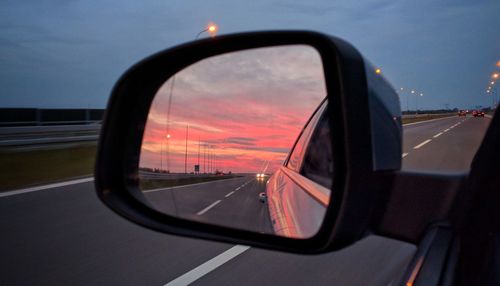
x: 297, y: 205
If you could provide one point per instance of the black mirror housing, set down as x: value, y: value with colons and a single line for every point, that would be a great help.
x: 364, y: 115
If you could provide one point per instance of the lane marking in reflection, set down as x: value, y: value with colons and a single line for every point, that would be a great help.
x: 230, y: 193
x: 238, y: 188
x: 188, y: 186
x: 404, y: 155
x: 209, y: 266
x: 446, y: 130
x: 437, y: 135
x: 422, y: 144
x: 209, y: 207
x: 45, y: 187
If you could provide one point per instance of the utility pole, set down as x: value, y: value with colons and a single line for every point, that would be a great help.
x: 204, y: 158
x: 161, y: 155
x: 199, y: 146
x: 186, y: 154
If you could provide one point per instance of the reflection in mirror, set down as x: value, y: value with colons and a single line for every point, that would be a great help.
x: 218, y: 135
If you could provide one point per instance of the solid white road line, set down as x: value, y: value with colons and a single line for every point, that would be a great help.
x: 44, y: 187
x: 437, y: 135
x: 404, y: 155
x: 229, y: 194
x: 185, y: 186
x: 209, y: 207
x: 208, y: 266
x: 446, y: 130
x: 422, y: 144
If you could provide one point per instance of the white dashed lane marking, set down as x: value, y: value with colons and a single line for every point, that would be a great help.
x: 209, y: 207
x: 218, y: 201
x: 209, y: 266
x: 437, y: 135
x: 422, y: 144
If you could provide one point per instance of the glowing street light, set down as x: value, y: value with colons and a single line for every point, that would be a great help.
x: 378, y: 71
x: 412, y: 91
x: 495, y: 75
x: 211, y: 29
x: 492, y: 82
x: 498, y: 64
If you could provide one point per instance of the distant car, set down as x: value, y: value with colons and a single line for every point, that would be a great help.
x: 477, y: 113
x: 462, y: 113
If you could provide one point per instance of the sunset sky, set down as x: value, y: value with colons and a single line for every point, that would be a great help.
x: 70, y: 53
x: 234, y: 105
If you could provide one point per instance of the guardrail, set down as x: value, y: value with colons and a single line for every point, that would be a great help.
x: 427, y: 114
x: 44, y: 135
x: 49, y: 116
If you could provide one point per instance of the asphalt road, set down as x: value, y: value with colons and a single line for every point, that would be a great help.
x: 444, y: 145
x: 65, y: 236
x: 231, y: 202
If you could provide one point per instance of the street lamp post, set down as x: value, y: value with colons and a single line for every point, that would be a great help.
x: 493, y: 92
x: 413, y: 92
x: 186, y: 154
x: 421, y: 95
x: 212, y: 30
x: 407, y: 99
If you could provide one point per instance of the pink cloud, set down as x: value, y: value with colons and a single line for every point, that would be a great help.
x: 246, y: 108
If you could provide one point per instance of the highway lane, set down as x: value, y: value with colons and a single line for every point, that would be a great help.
x: 66, y: 236
x: 230, y: 202
x: 443, y: 145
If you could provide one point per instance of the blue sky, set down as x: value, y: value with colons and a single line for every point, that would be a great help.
x: 68, y: 53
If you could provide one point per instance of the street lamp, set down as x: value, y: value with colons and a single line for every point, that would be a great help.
x: 492, y: 91
x: 378, y: 71
x: 211, y: 29
x: 407, y: 100
x: 421, y: 95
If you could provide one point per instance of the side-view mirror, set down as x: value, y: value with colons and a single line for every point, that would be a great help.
x: 269, y: 139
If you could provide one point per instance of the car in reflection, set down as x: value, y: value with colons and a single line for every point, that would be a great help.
x: 462, y: 113
x: 298, y: 193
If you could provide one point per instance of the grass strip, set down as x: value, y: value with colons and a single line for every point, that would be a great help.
x: 20, y: 169
x: 424, y: 118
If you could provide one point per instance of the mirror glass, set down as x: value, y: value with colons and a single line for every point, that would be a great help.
x: 219, y: 135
